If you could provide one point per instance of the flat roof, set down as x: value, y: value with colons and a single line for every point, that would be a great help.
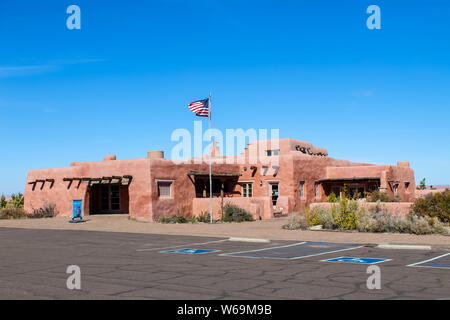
x: 350, y: 179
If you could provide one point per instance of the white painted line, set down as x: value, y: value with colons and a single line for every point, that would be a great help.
x: 403, y: 246
x: 425, y: 261
x: 269, y: 248
x: 183, y: 245
x: 250, y: 240
x: 233, y: 254
x: 319, y: 254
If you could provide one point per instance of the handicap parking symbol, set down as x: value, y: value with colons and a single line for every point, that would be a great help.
x: 358, y: 260
x: 190, y: 251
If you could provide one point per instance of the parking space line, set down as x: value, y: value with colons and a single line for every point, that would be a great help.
x: 318, y: 254
x: 183, y: 245
x: 269, y: 248
x: 235, y: 254
x: 418, y: 264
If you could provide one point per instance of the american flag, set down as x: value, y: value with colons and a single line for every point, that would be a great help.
x: 200, y: 108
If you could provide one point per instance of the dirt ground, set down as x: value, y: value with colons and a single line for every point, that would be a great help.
x: 266, y: 229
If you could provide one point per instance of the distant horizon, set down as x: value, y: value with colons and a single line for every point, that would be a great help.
x: 121, y: 84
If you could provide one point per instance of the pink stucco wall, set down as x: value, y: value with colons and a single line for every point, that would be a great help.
x: 145, y: 203
x: 259, y: 207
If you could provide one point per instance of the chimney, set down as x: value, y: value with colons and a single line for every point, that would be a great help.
x: 156, y: 154
x: 110, y: 157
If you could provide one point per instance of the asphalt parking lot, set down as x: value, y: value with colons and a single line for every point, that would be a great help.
x: 33, y: 265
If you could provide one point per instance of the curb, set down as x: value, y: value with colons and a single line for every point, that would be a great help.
x: 254, y: 240
x: 403, y: 246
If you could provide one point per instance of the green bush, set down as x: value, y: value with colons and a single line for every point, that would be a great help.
x: 233, y: 213
x: 3, y: 202
x: 176, y: 219
x: 320, y: 216
x: 346, y: 213
x: 376, y: 196
x: 422, y: 185
x: 16, y: 201
x: 436, y: 205
x: 204, y: 217
x: 332, y: 198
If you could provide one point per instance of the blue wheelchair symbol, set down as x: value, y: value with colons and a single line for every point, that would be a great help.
x: 358, y: 260
x: 190, y: 251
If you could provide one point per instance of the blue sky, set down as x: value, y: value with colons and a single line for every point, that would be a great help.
x: 312, y: 69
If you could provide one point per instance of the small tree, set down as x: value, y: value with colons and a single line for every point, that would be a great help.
x: 3, y: 202
x: 16, y: 201
x: 422, y: 185
x: 332, y: 198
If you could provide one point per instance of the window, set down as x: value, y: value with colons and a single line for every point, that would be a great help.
x: 395, y: 190
x: 164, y: 189
x: 406, y: 186
x: 273, y: 153
x: 316, y: 189
x: 302, y: 189
x: 247, y: 190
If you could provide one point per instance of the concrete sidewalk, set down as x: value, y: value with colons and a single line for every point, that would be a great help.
x: 265, y: 229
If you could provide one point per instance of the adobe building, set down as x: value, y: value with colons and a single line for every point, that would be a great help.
x: 281, y: 179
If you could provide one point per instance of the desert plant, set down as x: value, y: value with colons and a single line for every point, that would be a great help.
x: 346, y: 213
x: 13, y: 213
x: 422, y: 185
x: 311, y: 218
x: 177, y: 219
x: 233, y: 213
x: 3, y: 202
x: 47, y: 211
x: 436, y: 205
x: 332, y: 198
x: 296, y: 222
x: 16, y: 201
x: 376, y: 196
x: 204, y: 217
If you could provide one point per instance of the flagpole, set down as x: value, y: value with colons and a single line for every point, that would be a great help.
x: 210, y: 156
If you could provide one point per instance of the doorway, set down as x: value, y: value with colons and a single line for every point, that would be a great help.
x: 274, y: 194
x: 109, y: 199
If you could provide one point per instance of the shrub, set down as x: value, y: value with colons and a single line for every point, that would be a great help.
x: 381, y: 221
x: 320, y: 216
x: 422, y: 185
x: 12, y: 213
x: 346, y: 213
x: 3, y: 202
x: 176, y: 219
x: 332, y: 198
x: 47, y: 211
x: 233, y: 213
x: 204, y: 217
x: 16, y: 201
x: 311, y: 218
x: 376, y: 196
x: 166, y: 220
x: 436, y: 205
x: 386, y: 222
x: 296, y: 222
